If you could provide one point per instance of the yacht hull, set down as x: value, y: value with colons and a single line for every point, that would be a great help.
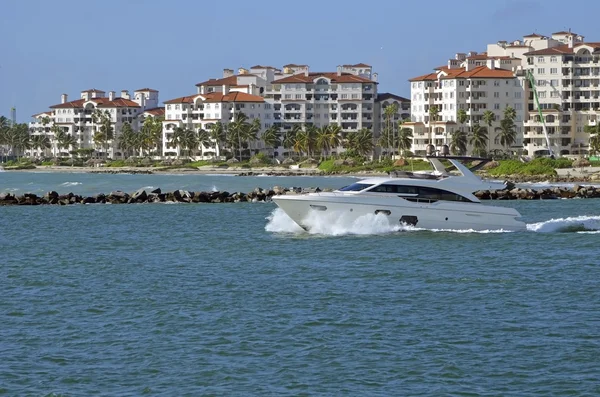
x: 434, y: 215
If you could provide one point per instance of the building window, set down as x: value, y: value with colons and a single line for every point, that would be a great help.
x: 541, y: 71
x: 496, y: 106
x: 288, y: 96
x: 553, y: 59
x: 298, y: 96
x: 542, y: 94
x: 541, y: 60
x: 344, y: 96
x: 553, y: 70
x: 517, y: 95
x: 496, y: 83
x: 540, y: 83
x: 496, y: 95
x: 554, y: 83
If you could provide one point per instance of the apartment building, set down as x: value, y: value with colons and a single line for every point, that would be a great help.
x: 567, y: 80
x: 75, y: 118
x: 287, y: 96
x: 462, y: 85
x: 201, y: 111
x: 566, y: 72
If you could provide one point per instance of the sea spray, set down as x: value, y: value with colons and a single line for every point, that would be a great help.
x: 572, y: 224
x: 335, y: 224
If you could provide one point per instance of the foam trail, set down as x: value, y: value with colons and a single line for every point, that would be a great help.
x: 571, y: 224
x: 280, y: 222
x: 214, y: 188
x: 332, y: 224
x: 70, y: 184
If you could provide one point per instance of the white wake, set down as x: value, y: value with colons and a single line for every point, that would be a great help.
x: 581, y: 224
x: 334, y: 224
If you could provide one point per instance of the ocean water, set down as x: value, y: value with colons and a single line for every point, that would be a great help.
x: 234, y: 299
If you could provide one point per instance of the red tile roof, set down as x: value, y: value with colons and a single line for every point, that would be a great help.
x: 563, y: 32
x: 93, y: 90
x: 387, y: 95
x: 183, y: 99
x: 480, y: 72
x: 293, y: 65
x: 358, y: 65
x: 232, y: 97
x: 333, y: 76
x: 218, y: 97
x: 231, y: 80
x: 119, y: 103
x: 262, y: 67
x: 103, y: 102
x: 533, y: 35
x: 425, y: 77
x: 43, y: 113
x: 564, y: 49
x: 155, y: 111
x: 146, y: 89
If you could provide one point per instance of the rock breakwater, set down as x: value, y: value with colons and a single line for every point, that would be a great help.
x: 260, y: 194
x: 577, y: 191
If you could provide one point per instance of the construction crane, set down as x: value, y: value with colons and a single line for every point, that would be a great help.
x: 542, y: 118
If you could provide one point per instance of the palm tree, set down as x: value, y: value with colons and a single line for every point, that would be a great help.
x: 322, y: 140
x: 461, y: 116
x: 189, y: 141
x: 433, y: 115
x: 478, y: 139
x: 64, y: 140
x: 203, y: 138
x: 387, y: 135
x: 250, y: 132
x: 296, y: 137
x: 289, y: 138
x: 508, y: 133
x: 334, y: 131
x: 238, y: 129
x: 360, y: 142
x: 510, y: 113
x: 458, y: 142
x: 150, y: 135
x: 405, y: 136
x: 488, y: 118
x: 311, y: 133
x: 271, y: 138
x: 184, y: 139
x: 105, y: 132
x: 300, y: 139
x: 40, y: 142
x: 594, y: 142
x: 17, y: 138
x: 128, y: 139
x: 218, y: 133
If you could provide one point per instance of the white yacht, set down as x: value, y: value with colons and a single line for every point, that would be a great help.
x: 441, y: 199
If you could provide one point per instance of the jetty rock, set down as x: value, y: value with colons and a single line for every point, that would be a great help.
x: 142, y: 196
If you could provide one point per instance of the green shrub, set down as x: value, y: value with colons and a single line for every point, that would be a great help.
x: 540, y: 166
x: 116, y: 163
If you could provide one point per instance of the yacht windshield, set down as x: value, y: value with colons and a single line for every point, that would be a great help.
x: 355, y: 187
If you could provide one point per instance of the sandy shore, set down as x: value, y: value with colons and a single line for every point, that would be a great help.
x: 566, y: 175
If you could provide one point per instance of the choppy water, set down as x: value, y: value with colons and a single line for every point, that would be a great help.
x: 233, y: 299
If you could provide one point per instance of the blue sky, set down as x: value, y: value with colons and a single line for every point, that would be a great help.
x: 65, y: 46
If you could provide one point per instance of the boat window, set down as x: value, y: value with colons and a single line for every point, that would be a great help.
x: 355, y: 187
x: 395, y: 189
x: 419, y: 192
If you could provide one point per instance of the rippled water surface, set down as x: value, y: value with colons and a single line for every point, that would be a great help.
x: 233, y: 299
